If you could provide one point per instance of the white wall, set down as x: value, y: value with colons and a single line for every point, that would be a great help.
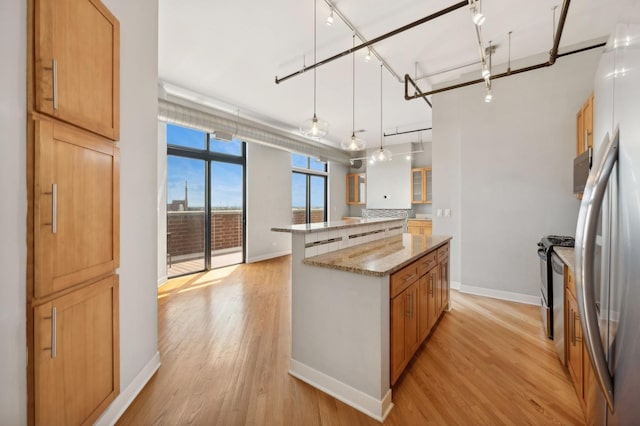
x: 138, y: 189
x: 505, y: 171
x: 162, y: 202
x: 338, y: 207
x: 13, y: 213
x: 388, y: 183
x: 268, y: 201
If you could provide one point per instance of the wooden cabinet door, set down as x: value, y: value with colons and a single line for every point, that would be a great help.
x: 356, y: 188
x: 432, y: 308
x: 580, y: 146
x: 443, y: 278
x: 77, y: 64
x: 399, y: 310
x: 76, y: 207
x: 574, y: 342
x: 587, y: 119
x: 404, y: 329
x: 428, y: 186
x: 76, y: 351
x: 426, y: 304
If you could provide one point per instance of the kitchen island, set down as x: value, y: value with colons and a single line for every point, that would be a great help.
x: 360, y: 297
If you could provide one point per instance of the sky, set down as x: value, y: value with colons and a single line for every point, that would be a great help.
x: 226, y: 178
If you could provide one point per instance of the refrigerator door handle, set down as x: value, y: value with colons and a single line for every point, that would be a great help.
x: 585, y: 257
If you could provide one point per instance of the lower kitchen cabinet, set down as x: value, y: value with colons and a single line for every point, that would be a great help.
x: 76, y: 354
x: 578, y: 361
x: 419, y: 227
x: 419, y: 294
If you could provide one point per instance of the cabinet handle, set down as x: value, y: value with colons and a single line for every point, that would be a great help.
x: 409, y: 276
x: 575, y: 335
x: 431, y: 285
x: 573, y: 327
x: 53, y: 348
x: 54, y: 71
x: 54, y: 208
x: 411, y: 305
x: 408, y: 308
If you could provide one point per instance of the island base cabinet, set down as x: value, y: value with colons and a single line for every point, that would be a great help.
x: 415, y: 310
x: 76, y: 354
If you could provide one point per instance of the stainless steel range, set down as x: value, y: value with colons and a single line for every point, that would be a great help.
x: 551, y: 289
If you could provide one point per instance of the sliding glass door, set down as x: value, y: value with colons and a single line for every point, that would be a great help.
x: 205, y: 201
x: 227, y: 213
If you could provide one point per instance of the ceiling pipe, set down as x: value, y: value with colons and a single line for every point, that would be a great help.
x: 397, y: 31
x: 553, y: 55
x: 408, y: 131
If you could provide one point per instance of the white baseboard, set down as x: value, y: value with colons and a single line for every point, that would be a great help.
x: 162, y: 280
x: 499, y: 294
x: 455, y: 285
x: 377, y: 409
x: 126, y: 397
x: 268, y: 256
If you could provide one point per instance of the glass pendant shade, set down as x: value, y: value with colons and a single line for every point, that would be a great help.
x: 488, y: 98
x: 381, y: 155
x: 353, y: 143
x: 314, y: 128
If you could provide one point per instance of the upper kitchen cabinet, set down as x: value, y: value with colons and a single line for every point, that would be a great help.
x: 356, y: 188
x: 77, y: 64
x: 421, y: 186
x: 584, y: 127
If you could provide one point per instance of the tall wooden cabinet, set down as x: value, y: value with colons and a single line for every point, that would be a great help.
x: 73, y: 175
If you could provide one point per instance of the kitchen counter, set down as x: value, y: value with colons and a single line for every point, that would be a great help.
x: 333, y: 226
x: 567, y: 255
x: 381, y: 257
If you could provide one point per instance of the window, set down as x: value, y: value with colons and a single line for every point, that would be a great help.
x: 309, y: 190
x: 205, y: 201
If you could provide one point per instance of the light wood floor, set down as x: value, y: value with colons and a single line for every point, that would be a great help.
x: 224, y: 345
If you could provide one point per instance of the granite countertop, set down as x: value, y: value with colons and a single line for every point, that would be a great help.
x: 338, y: 224
x: 567, y: 255
x: 381, y: 257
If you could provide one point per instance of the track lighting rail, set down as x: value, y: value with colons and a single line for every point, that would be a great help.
x: 553, y: 55
x: 397, y: 31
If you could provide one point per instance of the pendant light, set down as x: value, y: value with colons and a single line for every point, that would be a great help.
x: 353, y: 143
x: 381, y: 154
x: 314, y: 127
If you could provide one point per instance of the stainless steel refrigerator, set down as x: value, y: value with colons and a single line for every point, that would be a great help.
x: 608, y: 236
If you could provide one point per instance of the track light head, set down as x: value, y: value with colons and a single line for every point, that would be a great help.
x: 367, y: 58
x: 330, y: 18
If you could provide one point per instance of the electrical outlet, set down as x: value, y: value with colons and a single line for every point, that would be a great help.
x: 439, y: 212
x: 447, y: 212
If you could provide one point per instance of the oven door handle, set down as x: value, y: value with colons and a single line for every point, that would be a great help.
x: 585, y: 258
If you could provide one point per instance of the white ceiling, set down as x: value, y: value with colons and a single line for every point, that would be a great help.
x: 231, y: 52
